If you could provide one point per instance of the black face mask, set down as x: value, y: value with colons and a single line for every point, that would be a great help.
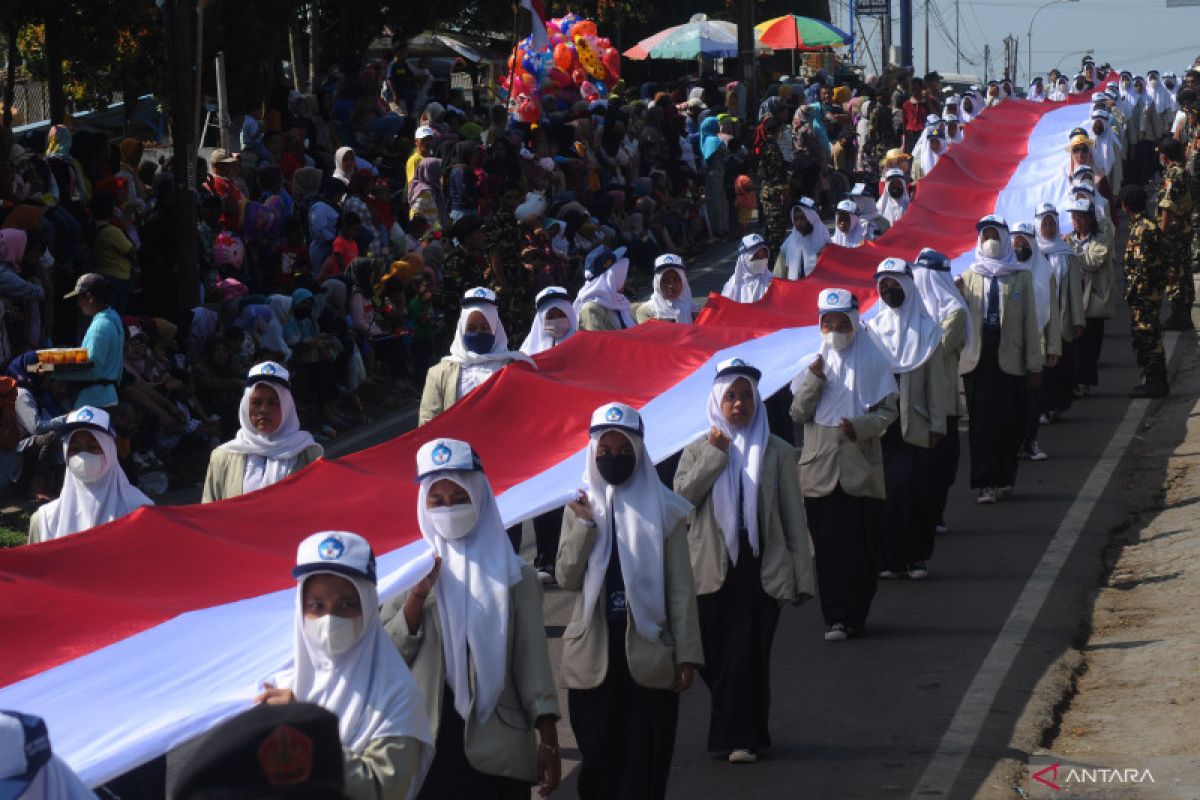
x: 1023, y: 253
x: 893, y: 296
x: 896, y: 191
x: 804, y: 226
x: 616, y: 468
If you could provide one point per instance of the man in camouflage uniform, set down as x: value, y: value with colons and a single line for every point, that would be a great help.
x: 507, y: 275
x: 1145, y: 276
x: 463, y: 268
x: 1175, y: 223
x: 1189, y: 134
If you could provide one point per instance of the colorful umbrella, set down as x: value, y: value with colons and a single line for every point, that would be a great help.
x: 790, y: 32
x: 700, y: 36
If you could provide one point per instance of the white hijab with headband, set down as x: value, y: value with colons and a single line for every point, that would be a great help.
x: 1107, y: 150
x: 800, y: 251
x: 367, y: 685
x: 965, y: 115
x: 958, y: 132
x: 907, y: 335
x: 1037, y: 91
x: 1039, y: 267
x: 540, y: 338
x: 935, y: 284
x: 891, y: 208
x: 478, y: 367
x: 1056, y: 251
x: 1000, y: 265
x: 858, y: 376
x: 338, y: 171
x: 683, y: 308
x: 605, y: 273
x: 80, y: 505
x: 745, y: 285
x: 29, y: 767
x: 472, y: 588
x: 270, y: 457
x: 738, y: 483
x: 639, y: 513
x: 854, y: 237
x: 1060, y: 90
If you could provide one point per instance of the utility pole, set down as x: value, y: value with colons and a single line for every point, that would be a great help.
x: 906, y: 48
x: 179, y: 18
x: 987, y: 63
x: 926, y: 37
x: 957, y: 49
x: 885, y: 38
x: 749, y: 71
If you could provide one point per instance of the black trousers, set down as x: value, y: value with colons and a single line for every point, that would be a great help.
x: 845, y: 535
x: 625, y: 732
x: 995, y: 402
x: 908, y: 520
x: 944, y: 468
x: 1058, y: 382
x: 451, y: 774
x: 546, y: 529
x: 737, y: 627
x: 1087, y: 353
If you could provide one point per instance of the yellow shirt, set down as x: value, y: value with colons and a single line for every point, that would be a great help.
x: 410, y: 166
x: 113, y: 252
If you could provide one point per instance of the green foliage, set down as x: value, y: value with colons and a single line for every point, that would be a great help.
x: 11, y: 538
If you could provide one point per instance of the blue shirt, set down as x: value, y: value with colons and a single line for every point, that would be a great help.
x: 105, y: 343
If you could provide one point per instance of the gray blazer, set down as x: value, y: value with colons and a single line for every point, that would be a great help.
x: 1020, y: 339
x: 227, y: 471
x: 1096, y: 261
x: 923, y: 408
x: 441, y: 390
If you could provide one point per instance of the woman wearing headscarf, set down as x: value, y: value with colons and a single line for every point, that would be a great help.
x: 269, y: 446
x: 345, y: 163
x: 927, y: 153
x: 847, y: 226
x: 74, y: 189
x: 846, y: 398
x: 472, y: 631
x: 894, y: 199
x: 134, y: 201
x: 751, y: 554
x: 751, y: 275
x: 1036, y: 91
x: 480, y: 348
x: 95, y: 490
x: 773, y: 175
x: 1093, y: 244
x: 601, y: 304
x: 260, y: 322
x: 1003, y: 355
x: 1058, y: 382
x: 911, y: 339
x: 671, y: 300
x: 804, y: 244
x: 1045, y: 294
x: 714, y: 154
x: 425, y: 196
x: 343, y: 661
x: 633, y: 643
x: 1060, y: 90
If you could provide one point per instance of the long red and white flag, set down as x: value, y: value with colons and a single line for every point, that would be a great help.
x: 135, y: 636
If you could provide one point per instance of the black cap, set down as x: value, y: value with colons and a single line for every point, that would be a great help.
x: 288, y: 751
x: 89, y: 283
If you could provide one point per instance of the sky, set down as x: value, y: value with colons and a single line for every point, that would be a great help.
x: 1137, y: 35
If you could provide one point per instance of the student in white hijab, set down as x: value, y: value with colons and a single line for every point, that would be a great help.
x: 671, y: 300
x: 554, y: 321
x: 873, y: 224
x: 343, y: 661
x: 601, y: 304
x: 846, y: 398
x: 751, y: 275
x: 633, y: 643
x: 804, y: 244
x: 847, y: 226
x: 1059, y: 91
x: 894, y: 199
x: 911, y: 340
x: 29, y: 768
x: 1045, y: 293
x: 1058, y: 382
x: 930, y: 153
x: 95, y: 489
x: 953, y: 129
x: 479, y: 350
x: 1003, y: 355
x: 1036, y: 91
x: 944, y: 303
x: 751, y: 554
x: 269, y: 446
x: 1083, y: 187
x: 1092, y: 239
x: 556, y: 229
x: 473, y: 633
x: 1107, y: 148
x: 970, y: 105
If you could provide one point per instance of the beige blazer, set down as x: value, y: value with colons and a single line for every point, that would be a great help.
x: 954, y: 338
x: 1020, y: 339
x: 787, y: 566
x: 585, y: 642
x: 829, y: 459
x: 227, y: 471
x: 1095, y: 260
x: 504, y: 745
x: 923, y: 408
x: 595, y: 317
x: 441, y: 390
x: 1052, y: 340
x: 1070, y: 299
x: 386, y: 768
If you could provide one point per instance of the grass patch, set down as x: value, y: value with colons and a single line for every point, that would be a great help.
x: 11, y: 538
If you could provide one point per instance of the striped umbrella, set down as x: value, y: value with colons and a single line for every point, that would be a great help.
x: 790, y: 32
x: 700, y: 36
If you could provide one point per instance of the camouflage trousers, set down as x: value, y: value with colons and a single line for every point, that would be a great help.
x: 1179, y: 254
x: 1145, y: 302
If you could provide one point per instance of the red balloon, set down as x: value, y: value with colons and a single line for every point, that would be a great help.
x: 603, y: 43
x: 564, y: 56
x: 559, y: 77
x: 612, y: 63
x: 578, y: 75
x: 583, y: 28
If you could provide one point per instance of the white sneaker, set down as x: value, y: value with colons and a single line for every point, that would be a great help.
x: 987, y: 496
x: 1044, y: 419
x: 941, y: 528
x: 919, y: 571
x: 887, y: 575
x: 743, y: 757
x: 836, y: 633
x: 1036, y: 453
x: 1003, y: 492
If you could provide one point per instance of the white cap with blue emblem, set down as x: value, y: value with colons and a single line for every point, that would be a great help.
x: 269, y: 372
x: 751, y: 242
x: 666, y: 261
x: 89, y: 417
x: 737, y: 366
x: 836, y: 300
x: 480, y: 295
x: 339, y: 552
x: 616, y: 416
x: 1026, y: 229
x: 446, y: 455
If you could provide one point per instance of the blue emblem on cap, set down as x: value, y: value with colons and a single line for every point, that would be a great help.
x: 614, y: 414
x: 331, y: 549
x: 441, y: 455
x: 84, y: 415
x: 737, y: 362
x: 267, y: 369
x: 832, y: 297
x: 481, y: 292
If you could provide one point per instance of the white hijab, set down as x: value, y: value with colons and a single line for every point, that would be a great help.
x: 682, y: 309
x: 965, y: 116
x: 889, y: 207
x: 643, y: 513
x: 927, y: 158
x: 1036, y: 91
x: 605, y: 291
x: 801, y: 251
x: 1105, y: 147
x: 1006, y: 264
x: 855, y: 237
x: 270, y: 457
x: 907, y: 335
x: 743, y: 471
x: 1158, y: 95
x: 1041, y: 270
x: 369, y: 686
x: 745, y: 286
x: 856, y: 378
x: 1057, y: 252
x: 80, y: 505
x: 340, y: 173
x: 1059, y: 92
x: 939, y: 294
x: 478, y: 367
x: 53, y: 781
x: 472, y: 595
x: 538, y: 341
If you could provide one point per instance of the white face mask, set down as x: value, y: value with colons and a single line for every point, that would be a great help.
x: 838, y: 340
x: 334, y: 635
x: 557, y: 328
x: 87, y: 467
x: 758, y: 265
x: 991, y: 248
x: 453, y: 522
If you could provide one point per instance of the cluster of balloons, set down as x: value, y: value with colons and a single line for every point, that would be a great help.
x: 579, y: 64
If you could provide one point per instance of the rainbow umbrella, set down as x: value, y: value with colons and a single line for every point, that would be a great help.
x: 790, y: 32
x: 700, y: 36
